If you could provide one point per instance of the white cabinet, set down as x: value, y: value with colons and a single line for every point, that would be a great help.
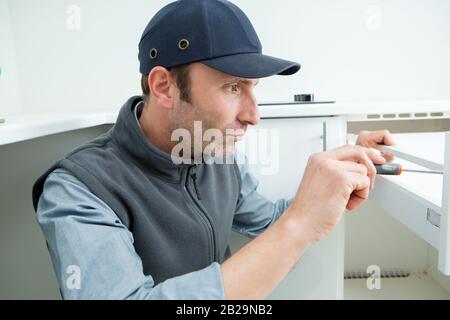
x: 404, y: 228
x: 420, y: 200
x: 319, y: 273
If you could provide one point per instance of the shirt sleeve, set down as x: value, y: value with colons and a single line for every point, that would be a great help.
x: 93, y: 254
x: 254, y: 212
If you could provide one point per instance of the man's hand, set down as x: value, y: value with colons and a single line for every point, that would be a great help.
x: 333, y: 181
x: 373, y: 139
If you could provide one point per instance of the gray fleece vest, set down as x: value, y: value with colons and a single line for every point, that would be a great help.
x: 180, y: 215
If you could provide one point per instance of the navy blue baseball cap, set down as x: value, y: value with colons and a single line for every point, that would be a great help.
x: 214, y: 32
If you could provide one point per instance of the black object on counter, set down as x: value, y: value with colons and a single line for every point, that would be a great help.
x: 304, y: 97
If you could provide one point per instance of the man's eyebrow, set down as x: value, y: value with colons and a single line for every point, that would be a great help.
x: 243, y: 80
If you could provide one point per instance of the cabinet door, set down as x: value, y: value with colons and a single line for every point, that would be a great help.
x: 283, y: 146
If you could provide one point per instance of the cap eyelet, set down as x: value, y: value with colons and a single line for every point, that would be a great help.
x: 153, y: 53
x: 183, y: 44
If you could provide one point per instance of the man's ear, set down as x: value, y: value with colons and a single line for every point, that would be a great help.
x: 161, y: 87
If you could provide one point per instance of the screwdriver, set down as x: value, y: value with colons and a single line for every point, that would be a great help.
x: 396, y: 169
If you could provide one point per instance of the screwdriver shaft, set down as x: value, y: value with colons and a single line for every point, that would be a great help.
x: 423, y: 171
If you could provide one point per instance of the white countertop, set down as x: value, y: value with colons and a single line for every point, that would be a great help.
x: 353, y: 108
x: 24, y: 127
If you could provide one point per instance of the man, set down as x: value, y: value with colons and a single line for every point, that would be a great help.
x: 132, y: 223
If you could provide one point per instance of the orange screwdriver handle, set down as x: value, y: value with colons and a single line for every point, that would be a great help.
x: 389, y: 168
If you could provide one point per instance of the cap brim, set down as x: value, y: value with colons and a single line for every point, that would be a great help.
x: 252, y: 65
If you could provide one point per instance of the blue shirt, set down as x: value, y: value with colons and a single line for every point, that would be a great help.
x: 93, y: 254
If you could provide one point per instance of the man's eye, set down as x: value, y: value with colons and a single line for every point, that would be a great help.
x: 234, y: 88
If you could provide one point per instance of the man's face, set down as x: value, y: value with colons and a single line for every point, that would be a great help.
x: 219, y: 101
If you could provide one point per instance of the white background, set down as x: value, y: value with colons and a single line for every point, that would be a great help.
x: 349, y: 50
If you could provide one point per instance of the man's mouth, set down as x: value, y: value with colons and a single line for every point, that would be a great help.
x: 236, y: 134
x: 236, y: 137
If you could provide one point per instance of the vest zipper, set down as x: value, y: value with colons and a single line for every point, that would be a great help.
x: 203, y: 215
x: 194, y: 178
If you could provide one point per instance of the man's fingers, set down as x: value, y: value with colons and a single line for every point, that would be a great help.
x: 388, y: 156
x: 361, y: 186
x: 387, y: 138
x: 384, y: 137
x: 374, y: 156
x: 354, y: 202
x: 355, y: 153
x: 358, y: 168
x: 360, y: 183
x: 351, y: 166
x: 361, y: 155
x: 371, y: 139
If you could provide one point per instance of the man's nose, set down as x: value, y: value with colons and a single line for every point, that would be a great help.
x: 250, y: 112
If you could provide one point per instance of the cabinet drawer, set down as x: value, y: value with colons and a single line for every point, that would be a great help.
x: 420, y: 200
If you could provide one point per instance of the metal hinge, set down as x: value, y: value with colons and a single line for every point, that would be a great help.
x: 433, y: 217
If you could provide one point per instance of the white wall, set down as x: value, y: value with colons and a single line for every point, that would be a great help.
x: 349, y: 49
x: 68, y: 68
x: 359, y: 49
x: 9, y: 94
